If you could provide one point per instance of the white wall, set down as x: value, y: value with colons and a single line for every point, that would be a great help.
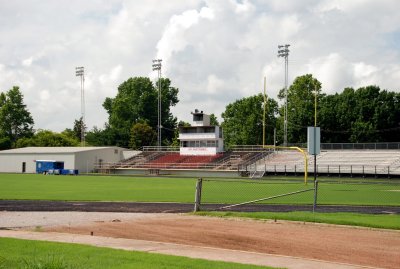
x: 198, y: 151
x: 85, y: 161
x: 130, y: 153
x: 12, y: 163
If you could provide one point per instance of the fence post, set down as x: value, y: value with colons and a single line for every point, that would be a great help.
x: 315, y: 195
x: 197, y: 197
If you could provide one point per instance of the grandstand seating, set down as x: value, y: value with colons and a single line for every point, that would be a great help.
x: 175, y: 160
x: 281, y: 161
x: 345, y: 161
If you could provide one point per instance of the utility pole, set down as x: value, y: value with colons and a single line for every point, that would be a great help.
x: 80, y: 72
x: 157, y: 66
x: 283, y: 51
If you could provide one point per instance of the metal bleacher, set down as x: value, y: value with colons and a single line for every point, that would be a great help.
x: 255, y: 161
x: 362, y: 162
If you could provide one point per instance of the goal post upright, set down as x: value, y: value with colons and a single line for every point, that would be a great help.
x: 299, y: 150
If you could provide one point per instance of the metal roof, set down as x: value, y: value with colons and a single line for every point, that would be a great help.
x: 50, y: 150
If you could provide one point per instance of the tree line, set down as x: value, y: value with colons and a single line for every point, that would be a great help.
x: 366, y: 114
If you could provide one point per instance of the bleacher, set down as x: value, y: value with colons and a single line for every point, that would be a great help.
x: 335, y: 161
x: 171, y: 160
x: 372, y: 162
x: 175, y: 160
x: 230, y: 160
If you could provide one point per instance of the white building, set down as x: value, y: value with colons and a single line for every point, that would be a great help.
x: 201, y: 138
x: 23, y: 160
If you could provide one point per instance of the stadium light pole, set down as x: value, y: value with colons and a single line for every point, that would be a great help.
x: 80, y: 72
x: 283, y: 51
x: 315, y: 126
x: 157, y: 67
x: 315, y: 105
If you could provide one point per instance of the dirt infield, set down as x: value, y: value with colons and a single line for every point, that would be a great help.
x: 368, y: 247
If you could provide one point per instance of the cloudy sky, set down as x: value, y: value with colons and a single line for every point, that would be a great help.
x: 214, y: 51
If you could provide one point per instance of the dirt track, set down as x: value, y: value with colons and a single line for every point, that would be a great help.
x: 37, y: 205
x: 369, y: 247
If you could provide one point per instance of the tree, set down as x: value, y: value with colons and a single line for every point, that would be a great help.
x: 214, y: 120
x: 243, y: 121
x: 5, y: 143
x: 77, y: 130
x: 46, y: 138
x: 15, y: 120
x: 101, y: 137
x: 175, y: 140
x: 301, y: 104
x: 142, y: 135
x: 137, y: 101
x: 363, y: 115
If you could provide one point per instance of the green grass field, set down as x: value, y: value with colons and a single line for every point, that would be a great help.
x: 15, y: 253
x: 181, y: 190
x: 383, y: 221
x: 336, y: 192
x: 96, y: 188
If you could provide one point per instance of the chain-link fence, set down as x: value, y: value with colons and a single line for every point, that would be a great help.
x: 254, y: 194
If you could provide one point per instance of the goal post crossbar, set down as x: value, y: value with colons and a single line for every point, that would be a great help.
x: 302, y: 151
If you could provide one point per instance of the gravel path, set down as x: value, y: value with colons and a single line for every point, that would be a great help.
x: 26, y: 220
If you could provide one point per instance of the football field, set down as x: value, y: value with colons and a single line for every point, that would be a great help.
x: 182, y: 190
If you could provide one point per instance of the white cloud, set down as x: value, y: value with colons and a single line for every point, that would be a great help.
x: 27, y: 62
x: 245, y: 7
x: 173, y: 38
x: 215, y: 52
x: 214, y: 84
x: 113, y: 76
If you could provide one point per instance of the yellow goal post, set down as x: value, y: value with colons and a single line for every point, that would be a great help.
x: 304, y: 152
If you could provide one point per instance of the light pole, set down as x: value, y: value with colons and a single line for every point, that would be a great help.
x: 315, y: 105
x: 80, y: 72
x: 315, y: 127
x: 265, y: 108
x: 157, y: 66
x: 283, y: 51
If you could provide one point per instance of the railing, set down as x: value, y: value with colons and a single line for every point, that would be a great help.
x: 329, y: 170
x: 354, y: 146
x: 161, y: 148
x: 113, y: 166
x: 351, y: 170
x: 373, y: 146
x: 324, y: 146
x: 248, y: 148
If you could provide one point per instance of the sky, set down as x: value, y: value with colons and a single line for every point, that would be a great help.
x: 214, y: 51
